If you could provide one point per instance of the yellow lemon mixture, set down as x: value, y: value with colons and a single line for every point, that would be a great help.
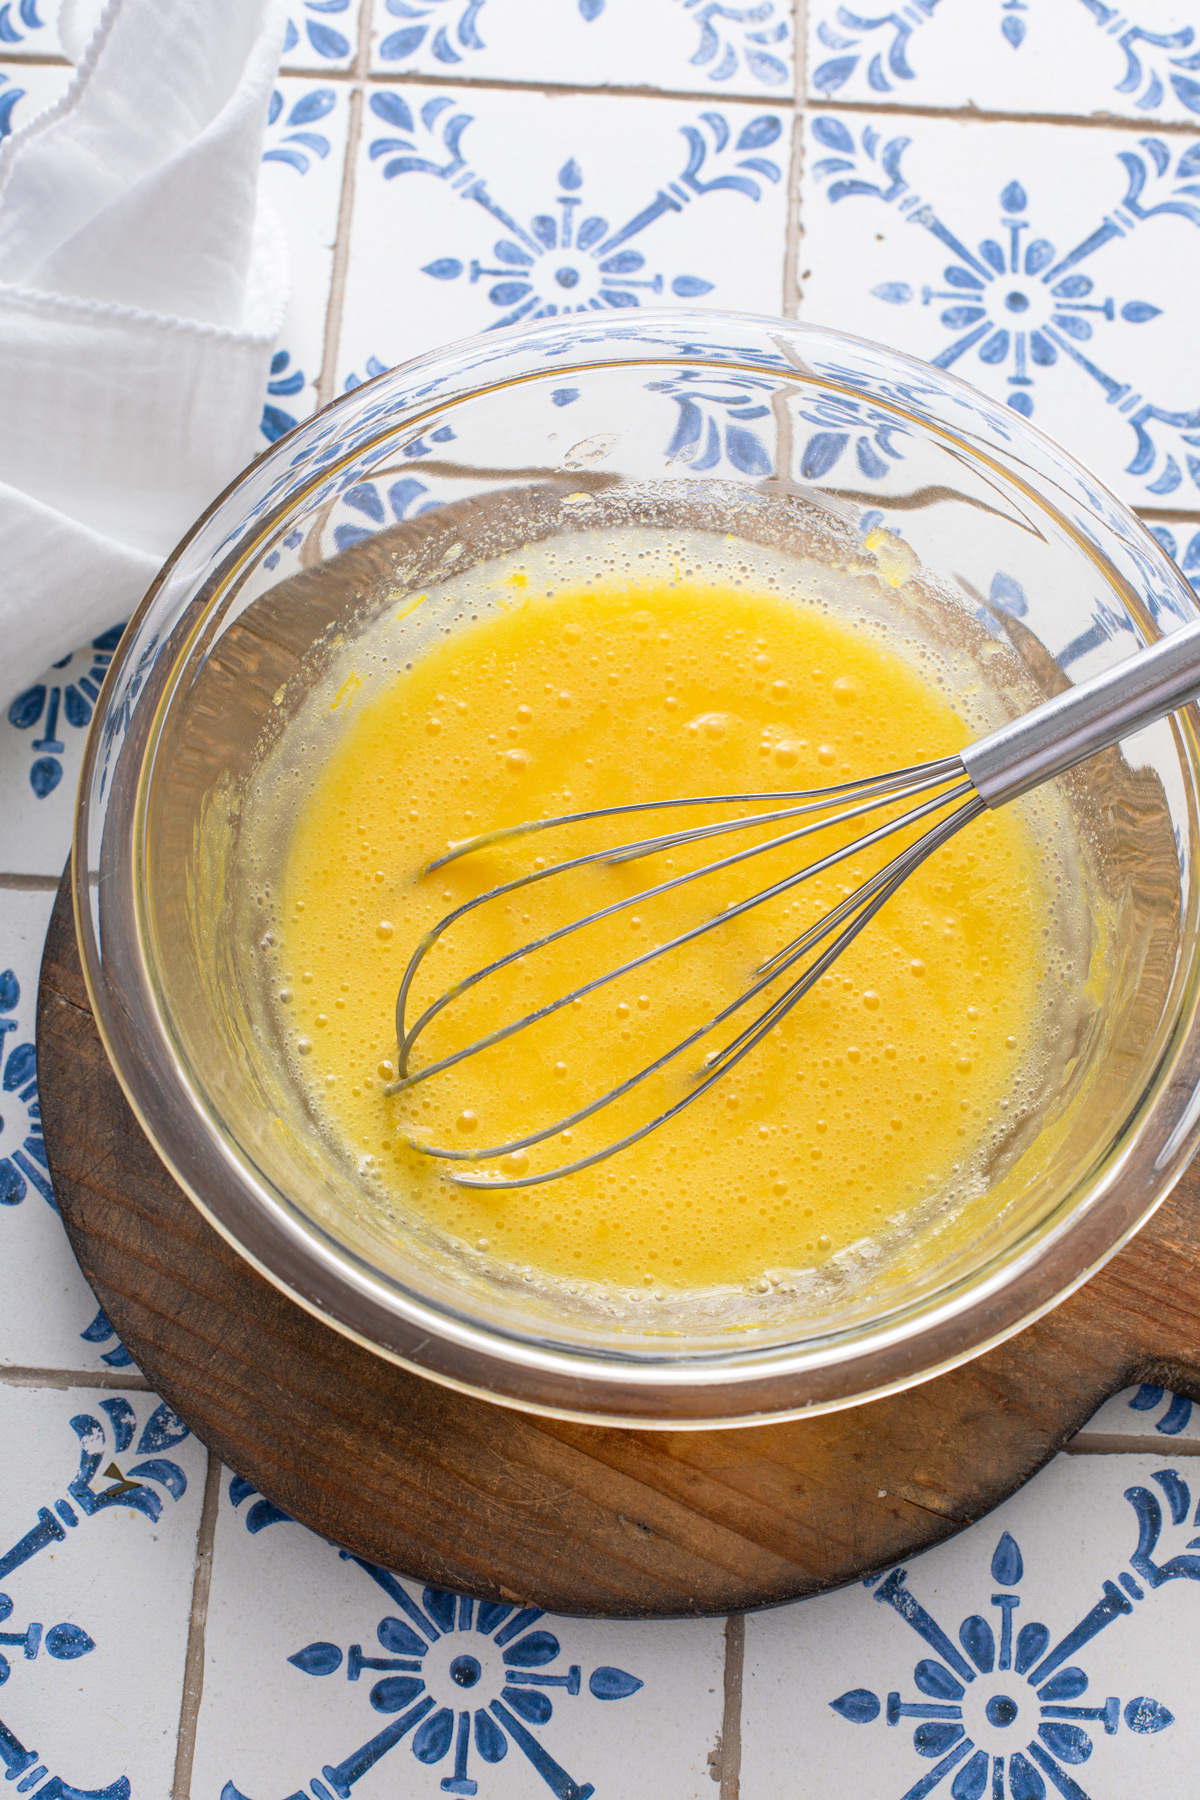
x: 863, y: 1108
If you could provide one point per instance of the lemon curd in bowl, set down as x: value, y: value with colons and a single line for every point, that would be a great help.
x: 879, y: 1113
x: 545, y: 569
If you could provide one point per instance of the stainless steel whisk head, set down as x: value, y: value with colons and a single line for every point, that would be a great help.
x: 1053, y: 737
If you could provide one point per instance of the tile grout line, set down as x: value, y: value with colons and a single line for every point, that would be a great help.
x: 17, y: 1375
x: 31, y: 884
x: 730, y: 1766
x: 792, y: 235
x: 341, y: 243
x: 341, y: 257
x: 362, y: 55
x: 962, y: 114
x: 552, y: 89
x: 611, y: 90
x: 974, y: 115
x: 193, y: 1668
x: 1101, y: 1443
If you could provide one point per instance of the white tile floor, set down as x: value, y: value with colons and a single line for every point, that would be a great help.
x: 438, y: 165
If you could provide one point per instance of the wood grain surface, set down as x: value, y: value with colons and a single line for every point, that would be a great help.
x: 576, y: 1519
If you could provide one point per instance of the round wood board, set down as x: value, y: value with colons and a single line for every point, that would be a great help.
x: 572, y: 1518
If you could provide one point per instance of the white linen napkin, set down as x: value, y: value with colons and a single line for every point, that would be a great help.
x: 142, y: 287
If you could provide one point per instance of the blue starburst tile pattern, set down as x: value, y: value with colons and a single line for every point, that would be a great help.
x: 999, y: 1666
x: 1041, y: 264
x: 480, y: 228
x: 371, y: 1684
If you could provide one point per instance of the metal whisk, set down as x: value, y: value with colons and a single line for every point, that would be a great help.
x: 1055, y: 736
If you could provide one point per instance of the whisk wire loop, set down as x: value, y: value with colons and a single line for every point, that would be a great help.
x: 406, y: 1037
x: 882, y: 887
x: 947, y: 766
x: 858, y: 908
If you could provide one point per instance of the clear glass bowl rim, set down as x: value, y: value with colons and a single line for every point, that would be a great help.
x: 1128, y: 1180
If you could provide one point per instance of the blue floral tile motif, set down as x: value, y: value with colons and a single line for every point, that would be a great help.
x: 10, y: 98
x: 21, y: 23
x: 742, y: 45
x: 733, y: 36
x: 23, y: 1165
x: 116, y: 722
x: 264, y: 1512
x: 373, y: 367
x: 1023, y: 304
x: 840, y: 423
x: 379, y: 506
x: 61, y: 706
x: 1177, y: 1413
x: 1154, y: 60
x: 324, y: 27
x: 447, y: 28
x: 1185, y: 551
x: 285, y: 381
x: 569, y: 259
x: 469, y: 1680
x: 855, y: 39
x: 290, y: 138
x: 717, y: 420
x: 1001, y: 1707
x: 876, y: 54
x: 139, y: 1488
x: 99, y: 1332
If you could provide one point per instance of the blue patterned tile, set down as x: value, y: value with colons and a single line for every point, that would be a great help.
x: 688, y: 45
x: 25, y: 90
x: 42, y: 733
x: 1059, y: 1632
x: 100, y: 1497
x: 321, y: 34
x: 1052, y: 268
x: 485, y: 208
x: 29, y: 28
x: 1180, y: 538
x: 49, y: 1315
x: 369, y: 1684
x: 1146, y: 1412
x: 1140, y: 61
x: 303, y: 163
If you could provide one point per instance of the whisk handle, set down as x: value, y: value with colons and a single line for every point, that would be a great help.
x: 1084, y: 719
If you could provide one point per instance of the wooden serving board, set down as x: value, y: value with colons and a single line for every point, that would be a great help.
x: 573, y: 1518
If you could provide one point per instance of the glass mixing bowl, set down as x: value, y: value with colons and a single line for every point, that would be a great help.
x: 793, y: 438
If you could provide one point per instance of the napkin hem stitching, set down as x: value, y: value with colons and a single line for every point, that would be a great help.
x: 37, y: 299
